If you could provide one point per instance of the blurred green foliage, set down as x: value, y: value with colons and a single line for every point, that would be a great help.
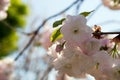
x: 16, y: 18
x: 16, y: 13
x: 8, y: 44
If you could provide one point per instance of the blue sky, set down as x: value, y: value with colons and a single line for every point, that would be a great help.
x: 42, y: 9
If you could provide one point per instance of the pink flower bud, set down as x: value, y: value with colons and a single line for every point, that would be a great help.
x: 59, y: 48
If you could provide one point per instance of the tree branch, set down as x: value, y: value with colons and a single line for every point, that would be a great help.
x: 96, y: 9
x: 103, y: 33
x: 13, y: 29
x: 45, y: 74
x: 78, y: 7
x: 43, y: 23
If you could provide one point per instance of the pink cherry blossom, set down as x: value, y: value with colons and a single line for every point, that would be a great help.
x: 82, y: 53
x: 91, y: 46
x: 105, y: 70
x: 45, y: 38
x: 111, y: 4
x: 98, y: 75
x: 105, y: 61
x: 4, y: 4
x: 73, y: 62
x: 52, y: 52
x: 3, y: 15
x: 59, y: 48
x: 107, y: 44
x: 75, y: 30
x: 6, y: 68
x: 112, y: 74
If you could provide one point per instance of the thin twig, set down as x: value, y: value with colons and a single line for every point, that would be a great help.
x: 95, y: 10
x: 45, y: 75
x: 13, y: 29
x: 43, y: 23
x: 78, y: 7
x: 103, y: 33
x: 7, y: 25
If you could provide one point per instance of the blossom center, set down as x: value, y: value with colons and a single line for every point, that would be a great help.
x: 75, y: 31
x: 69, y: 66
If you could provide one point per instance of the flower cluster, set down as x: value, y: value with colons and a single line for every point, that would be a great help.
x: 79, y: 52
x: 4, y: 4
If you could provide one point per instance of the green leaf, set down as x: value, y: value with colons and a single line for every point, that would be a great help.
x: 86, y: 13
x: 56, y: 35
x: 57, y: 23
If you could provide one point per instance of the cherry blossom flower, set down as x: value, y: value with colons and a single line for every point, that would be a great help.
x: 6, y: 68
x: 111, y: 4
x: 3, y: 15
x: 45, y: 38
x: 52, y: 52
x: 4, y: 4
x: 73, y: 62
x: 98, y: 75
x: 109, y: 74
x: 105, y: 42
x: 104, y: 60
x: 75, y: 30
x: 83, y: 54
x: 105, y: 69
x: 90, y: 46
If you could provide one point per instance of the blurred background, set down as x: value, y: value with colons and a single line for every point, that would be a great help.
x: 18, y: 29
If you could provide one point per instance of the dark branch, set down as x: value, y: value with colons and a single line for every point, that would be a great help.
x: 103, y: 33
x: 36, y: 32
